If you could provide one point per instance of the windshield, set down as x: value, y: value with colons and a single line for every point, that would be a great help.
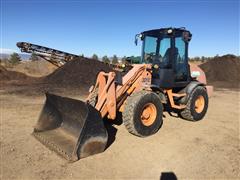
x: 156, y: 50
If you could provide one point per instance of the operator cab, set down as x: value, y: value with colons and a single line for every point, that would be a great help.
x: 167, y: 50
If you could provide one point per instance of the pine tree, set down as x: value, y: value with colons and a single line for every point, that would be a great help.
x: 115, y: 59
x: 14, y: 59
x: 106, y: 60
x: 94, y: 56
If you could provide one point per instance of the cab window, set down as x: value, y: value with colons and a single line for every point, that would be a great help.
x: 150, y: 46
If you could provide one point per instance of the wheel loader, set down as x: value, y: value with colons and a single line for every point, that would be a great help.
x: 162, y: 80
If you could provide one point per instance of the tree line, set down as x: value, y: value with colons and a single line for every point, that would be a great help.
x: 115, y: 60
x: 205, y: 59
x: 15, y: 59
x: 106, y: 59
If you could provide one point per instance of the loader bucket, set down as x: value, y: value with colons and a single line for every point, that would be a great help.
x: 72, y: 128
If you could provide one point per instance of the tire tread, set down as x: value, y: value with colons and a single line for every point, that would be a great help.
x: 186, y: 113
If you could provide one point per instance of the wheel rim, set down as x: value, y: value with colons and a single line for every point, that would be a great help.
x: 149, y: 114
x: 199, y: 104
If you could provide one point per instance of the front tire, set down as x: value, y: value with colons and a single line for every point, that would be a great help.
x: 196, y: 106
x: 142, y: 115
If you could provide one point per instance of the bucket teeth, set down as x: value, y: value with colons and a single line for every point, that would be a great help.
x: 43, y: 138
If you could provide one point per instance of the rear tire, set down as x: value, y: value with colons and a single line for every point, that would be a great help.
x: 196, y: 106
x: 142, y: 115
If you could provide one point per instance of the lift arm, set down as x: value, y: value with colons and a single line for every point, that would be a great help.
x: 112, y: 94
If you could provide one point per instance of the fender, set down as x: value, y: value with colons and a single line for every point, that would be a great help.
x: 188, y: 90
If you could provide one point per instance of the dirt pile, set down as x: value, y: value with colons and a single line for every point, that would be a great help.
x: 74, y: 77
x: 81, y: 73
x: 223, y: 70
x: 35, y: 68
x: 78, y: 72
x: 6, y: 75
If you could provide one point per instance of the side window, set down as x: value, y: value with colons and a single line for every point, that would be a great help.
x: 181, y: 65
x: 165, y: 52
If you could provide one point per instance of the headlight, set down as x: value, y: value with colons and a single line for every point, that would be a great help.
x: 169, y: 31
x: 123, y: 65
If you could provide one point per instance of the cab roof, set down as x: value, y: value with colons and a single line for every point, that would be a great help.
x: 166, y: 31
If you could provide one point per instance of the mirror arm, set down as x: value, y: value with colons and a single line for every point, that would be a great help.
x: 136, y: 39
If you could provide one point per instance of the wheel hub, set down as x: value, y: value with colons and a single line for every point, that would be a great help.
x: 199, y: 104
x: 149, y: 114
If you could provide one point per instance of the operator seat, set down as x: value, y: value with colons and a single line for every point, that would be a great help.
x: 166, y: 58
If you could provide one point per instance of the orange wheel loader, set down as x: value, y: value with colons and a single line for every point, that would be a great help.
x: 163, y: 80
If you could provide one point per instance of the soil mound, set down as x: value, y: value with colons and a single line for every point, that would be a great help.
x: 6, y: 75
x: 223, y: 69
x: 35, y: 68
x: 78, y: 72
x: 74, y: 77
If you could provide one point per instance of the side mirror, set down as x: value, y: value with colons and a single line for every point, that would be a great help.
x: 138, y: 36
x: 136, y: 39
x: 187, y: 36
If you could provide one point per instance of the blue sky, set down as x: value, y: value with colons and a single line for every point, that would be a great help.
x: 108, y: 27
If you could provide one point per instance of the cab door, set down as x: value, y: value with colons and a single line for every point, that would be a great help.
x: 181, y: 67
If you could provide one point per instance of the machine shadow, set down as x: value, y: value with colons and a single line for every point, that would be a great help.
x: 111, y: 130
x: 168, y: 176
